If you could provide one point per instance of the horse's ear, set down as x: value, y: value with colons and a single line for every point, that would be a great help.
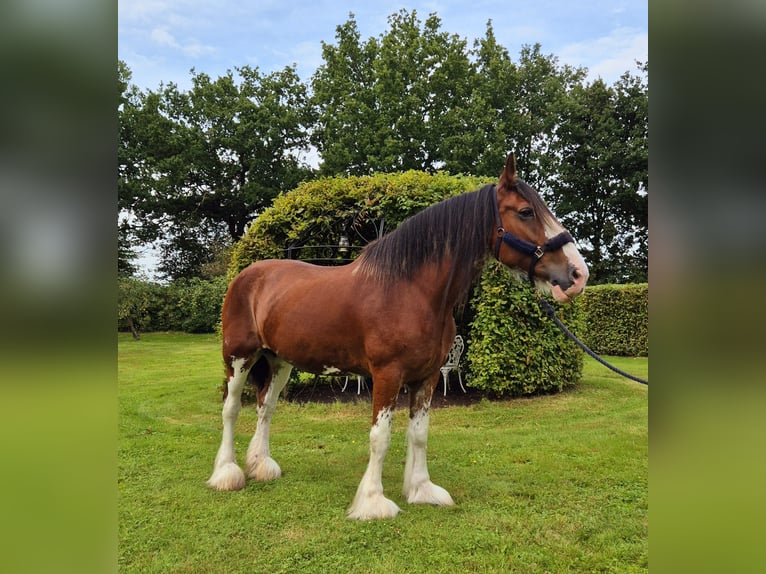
x: 509, y: 173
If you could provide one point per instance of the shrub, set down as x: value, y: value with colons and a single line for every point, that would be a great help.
x: 514, y: 348
x: 199, y: 304
x: 192, y: 305
x: 320, y: 211
x: 617, y: 319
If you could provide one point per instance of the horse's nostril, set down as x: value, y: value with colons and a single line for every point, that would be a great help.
x: 554, y: 282
x: 575, y: 273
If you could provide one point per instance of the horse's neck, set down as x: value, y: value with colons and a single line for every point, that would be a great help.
x: 444, y: 285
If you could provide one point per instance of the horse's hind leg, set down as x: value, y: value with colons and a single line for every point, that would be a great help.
x: 226, y: 473
x: 260, y: 465
x: 418, y: 488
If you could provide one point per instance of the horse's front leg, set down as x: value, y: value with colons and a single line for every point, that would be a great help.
x: 418, y: 488
x: 369, y: 502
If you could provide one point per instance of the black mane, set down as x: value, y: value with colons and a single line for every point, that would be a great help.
x: 457, y: 227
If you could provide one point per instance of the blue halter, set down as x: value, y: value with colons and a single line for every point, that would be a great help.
x: 536, y: 252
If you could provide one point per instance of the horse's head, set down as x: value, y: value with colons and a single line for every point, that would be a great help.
x: 530, y: 238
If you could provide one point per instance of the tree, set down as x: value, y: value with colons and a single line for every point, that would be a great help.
x: 128, y: 165
x: 422, y: 86
x: 632, y: 159
x: 392, y: 104
x: 542, y: 89
x: 343, y: 95
x: 200, y: 165
x: 490, y: 104
x: 415, y: 99
x: 133, y: 302
x: 516, y: 106
x: 601, y: 187
x: 126, y: 254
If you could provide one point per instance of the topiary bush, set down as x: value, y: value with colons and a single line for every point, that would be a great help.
x: 617, y: 319
x: 514, y: 348
x: 320, y: 211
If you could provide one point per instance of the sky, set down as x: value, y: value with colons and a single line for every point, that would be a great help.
x: 162, y: 40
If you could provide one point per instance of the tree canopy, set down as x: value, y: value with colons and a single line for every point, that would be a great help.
x: 198, y: 166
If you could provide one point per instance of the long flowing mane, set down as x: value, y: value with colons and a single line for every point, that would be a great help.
x: 456, y: 228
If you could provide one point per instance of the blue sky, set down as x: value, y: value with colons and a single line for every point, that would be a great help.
x: 161, y: 40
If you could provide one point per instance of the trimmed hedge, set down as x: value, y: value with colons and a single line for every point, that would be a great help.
x: 190, y: 305
x: 320, y: 211
x: 617, y: 319
x: 514, y: 348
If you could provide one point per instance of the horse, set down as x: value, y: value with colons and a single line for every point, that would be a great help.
x: 386, y: 315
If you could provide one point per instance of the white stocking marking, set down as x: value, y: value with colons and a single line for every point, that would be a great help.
x: 226, y: 474
x: 418, y: 487
x: 369, y: 502
x: 260, y: 465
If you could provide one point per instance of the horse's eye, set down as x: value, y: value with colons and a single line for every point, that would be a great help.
x: 526, y: 213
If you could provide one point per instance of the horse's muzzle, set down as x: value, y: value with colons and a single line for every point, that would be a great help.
x: 566, y: 289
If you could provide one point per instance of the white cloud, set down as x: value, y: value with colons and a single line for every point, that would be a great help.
x: 140, y: 10
x: 308, y: 57
x: 196, y: 49
x: 192, y: 48
x: 164, y: 38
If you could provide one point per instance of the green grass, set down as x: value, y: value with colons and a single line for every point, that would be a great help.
x: 548, y: 484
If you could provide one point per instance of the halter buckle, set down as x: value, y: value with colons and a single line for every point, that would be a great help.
x: 539, y: 252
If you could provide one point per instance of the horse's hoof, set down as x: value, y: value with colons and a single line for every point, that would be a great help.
x: 227, y: 477
x: 429, y: 493
x: 373, y: 508
x: 266, y: 469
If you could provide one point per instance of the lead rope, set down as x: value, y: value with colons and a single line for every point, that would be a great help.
x: 552, y: 314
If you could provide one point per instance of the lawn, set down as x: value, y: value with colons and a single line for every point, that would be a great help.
x: 548, y: 484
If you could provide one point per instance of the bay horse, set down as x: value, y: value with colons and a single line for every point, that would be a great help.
x: 387, y: 315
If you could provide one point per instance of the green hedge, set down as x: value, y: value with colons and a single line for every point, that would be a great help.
x: 617, y: 319
x: 191, y: 305
x: 514, y: 348
x: 320, y: 211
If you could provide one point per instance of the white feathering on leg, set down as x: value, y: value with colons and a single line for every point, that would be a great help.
x: 260, y: 465
x: 226, y: 474
x: 369, y: 502
x: 418, y: 488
